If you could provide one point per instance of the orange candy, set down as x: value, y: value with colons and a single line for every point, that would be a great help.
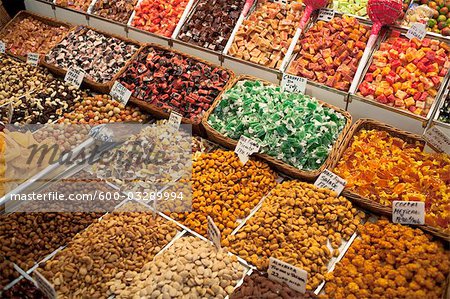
x: 159, y: 17
x: 384, y: 168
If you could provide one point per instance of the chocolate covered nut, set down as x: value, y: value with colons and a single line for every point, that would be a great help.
x: 46, y: 105
x: 100, y: 56
x: 171, y: 81
x: 259, y: 286
x: 18, y: 78
x: 108, y: 250
x: 119, y: 10
x: 30, y: 35
x: 266, y: 35
x: 212, y: 23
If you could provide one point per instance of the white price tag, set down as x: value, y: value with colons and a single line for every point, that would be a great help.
x: 2, y: 47
x: 417, y: 30
x: 120, y: 93
x: 325, y: 14
x: 438, y: 139
x: 331, y: 181
x: 294, y: 277
x: 408, y: 212
x: 74, y: 76
x: 44, y: 285
x: 213, y: 233
x: 246, y: 147
x: 174, y: 120
x: 291, y: 83
x: 33, y: 58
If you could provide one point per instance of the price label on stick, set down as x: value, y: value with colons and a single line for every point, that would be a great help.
x: 174, y: 120
x: 213, y: 233
x: 120, y: 93
x: 438, y: 139
x: 74, y: 76
x: 2, y: 47
x: 44, y: 285
x: 291, y: 83
x: 294, y: 277
x: 417, y: 30
x: 408, y: 212
x: 246, y: 147
x: 326, y: 14
x: 331, y: 181
x: 33, y: 58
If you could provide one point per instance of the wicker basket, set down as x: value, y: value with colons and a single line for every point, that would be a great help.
x: 4, y: 16
x: 25, y: 14
x: 160, y: 112
x: 279, y: 165
x: 99, y: 87
x: 365, y: 202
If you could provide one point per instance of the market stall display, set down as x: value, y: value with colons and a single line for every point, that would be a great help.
x: 97, y: 255
x: 7, y: 272
x: 119, y: 10
x: 264, y: 37
x: 102, y: 109
x: 330, y: 52
x: 81, y: 5
x: 406, y: 74
x: 388, y: 264
x: 435, y: 14
x: 382, y: 164
x: 211, y: 23
x: 294, y: 224
x: 159, y: 17
x: 30, y: 33
x: 296, y: 133
x: 162, y: 80
x: 353, y: 7
x: 225, y: 190
x: 100, y: 55
x: 191, y: 268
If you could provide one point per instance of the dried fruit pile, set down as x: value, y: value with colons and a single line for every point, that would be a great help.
x: 171, y: 81
x: 384, y: 168
x: 407, y: 74
x: 331, y: 51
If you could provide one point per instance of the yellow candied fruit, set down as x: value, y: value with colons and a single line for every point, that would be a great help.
x: 384, y: 168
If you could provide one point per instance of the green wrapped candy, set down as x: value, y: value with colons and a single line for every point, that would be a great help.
x: 293, y: 128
